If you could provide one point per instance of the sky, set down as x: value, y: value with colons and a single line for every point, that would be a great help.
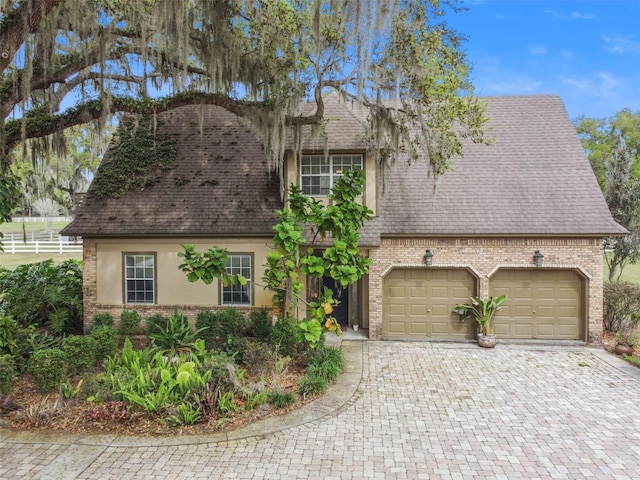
x: 588, y: 52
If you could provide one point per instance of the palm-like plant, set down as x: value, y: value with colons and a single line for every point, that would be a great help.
x: 482, y: 311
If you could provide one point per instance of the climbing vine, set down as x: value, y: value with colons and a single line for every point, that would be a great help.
x: 136, y: 159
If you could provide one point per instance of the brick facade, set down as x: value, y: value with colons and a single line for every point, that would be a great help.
x: 484, y: 257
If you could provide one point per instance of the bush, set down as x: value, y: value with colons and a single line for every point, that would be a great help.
x: 7, y: 373
x: 42, y: 292
x: 260, y: 324
x: 621, y: 304
x: 324, y: 367
x: 280, y: 399
x: 106, y: 343
x: 102, y: 320
x: 29, y: 341
x: 8, y: 331
x: 81, y: 353
x: 283, y: 337
x: 129, y: 323
x: 175, y: 336
x: 223, y: 330
x: 47, y: 368
x: 258, y: 357
x: 155, y: 323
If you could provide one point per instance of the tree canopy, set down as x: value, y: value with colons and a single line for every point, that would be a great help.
x: 70, y: 62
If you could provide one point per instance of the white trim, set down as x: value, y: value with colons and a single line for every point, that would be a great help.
x: 528, y: 266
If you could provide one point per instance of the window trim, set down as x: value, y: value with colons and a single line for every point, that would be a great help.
x: 249, y: 283
x: 125, y: 278
x: 332, y: 176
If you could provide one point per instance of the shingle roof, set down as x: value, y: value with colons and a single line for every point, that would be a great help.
x: 230, y: 190
x: 533, y: 179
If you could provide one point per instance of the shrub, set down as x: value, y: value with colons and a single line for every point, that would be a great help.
x: 279, y: 399
x: 283, y: 337
x: 29, y: 341
x: 258, y: 357
x: 260, y: 324
x: 47, y: 368
x: 41, y: 292
x: 223, y: 330
x: 325, y: 365
x: 7, y: 373
x: 106, y: 343
x: 129, y: 323
x: 175, y: 336
x: 155, y: 323
x: 621, y: 304
x: 81, y: 353
x: 8, y: 330
x: 102, y: 320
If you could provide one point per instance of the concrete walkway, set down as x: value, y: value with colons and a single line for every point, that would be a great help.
x: 402, y: 410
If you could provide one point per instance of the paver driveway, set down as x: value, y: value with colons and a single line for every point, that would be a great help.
x: 407, y: 410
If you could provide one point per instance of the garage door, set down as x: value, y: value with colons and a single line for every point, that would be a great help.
x: 419, y: 303
x: 541, y: 304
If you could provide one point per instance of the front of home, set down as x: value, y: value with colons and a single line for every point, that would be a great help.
x: 434, y: 241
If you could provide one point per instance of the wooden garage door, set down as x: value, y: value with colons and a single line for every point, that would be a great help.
x: 541, y: 304
x: 419, y: 303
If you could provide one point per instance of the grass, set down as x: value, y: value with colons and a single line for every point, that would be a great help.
x: 10, y: 262
x: 630, y: 273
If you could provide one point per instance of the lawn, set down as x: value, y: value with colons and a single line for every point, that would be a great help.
x: 630, y: 273
x: 16, y: 227
x: 10, y: 262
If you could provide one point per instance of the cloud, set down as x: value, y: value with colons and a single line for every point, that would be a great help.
x: 514, y: 85
x: 538, y: 50
x: 555, y: 14
x: 600, y: 93
x: 619, y: 44
x: 583, y: 16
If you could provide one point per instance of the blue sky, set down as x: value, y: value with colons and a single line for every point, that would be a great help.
x: 588, y: 52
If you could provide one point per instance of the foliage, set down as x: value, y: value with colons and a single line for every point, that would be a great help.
x: 47, y: 368
x: 9, y: 194
x: 129, y: 324
x: 8, y: 372
x: 8, y: 330
x: 631, y: 359
x: 481, y: 310
x: 29, y: 341
x: 104, y: 319
x: 106, y: 342
x: 339, y: 221
x: 283, y: 337
x: 631, y: 339
x: 621, y: 304
x: 258, y: 357
x: 136, y: 156
x: 260, y: 324
x: 324, y: 367
x: 280, y: 399
x: 175, y: 337
x: 223, y: 330
x: 155, y: 323
x: 208, y: 266
x: 43, y: 292
x: 81, y: 353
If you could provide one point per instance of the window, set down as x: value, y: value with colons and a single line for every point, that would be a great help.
x: 238, y: 294
x: 318, y: 173
x: 139, y: 278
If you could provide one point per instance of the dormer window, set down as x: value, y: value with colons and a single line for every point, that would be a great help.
x: 318, y: 173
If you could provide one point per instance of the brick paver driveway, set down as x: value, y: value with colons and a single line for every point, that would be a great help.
x: 421, y: 410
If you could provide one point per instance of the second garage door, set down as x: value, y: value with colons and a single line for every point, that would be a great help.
x: 419, y: 303
x: 541, y: 304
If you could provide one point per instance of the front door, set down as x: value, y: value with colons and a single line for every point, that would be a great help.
x: 341, y: 294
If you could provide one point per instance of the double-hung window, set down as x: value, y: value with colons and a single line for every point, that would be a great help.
x: 139, y: 278
x: 319, y: 173
x: 238, y: 294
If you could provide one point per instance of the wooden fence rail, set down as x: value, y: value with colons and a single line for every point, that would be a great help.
x: 62, y: 245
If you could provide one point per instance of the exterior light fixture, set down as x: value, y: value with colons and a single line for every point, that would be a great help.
x: 537, y: 258
x: 428, y: 258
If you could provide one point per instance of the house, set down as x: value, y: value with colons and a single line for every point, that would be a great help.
x: 522, y: 216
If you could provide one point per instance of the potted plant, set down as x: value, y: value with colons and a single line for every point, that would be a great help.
x: 482, y: 311
x: 626, y: 343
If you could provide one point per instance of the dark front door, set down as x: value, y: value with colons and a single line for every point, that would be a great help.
x: 340, y: 311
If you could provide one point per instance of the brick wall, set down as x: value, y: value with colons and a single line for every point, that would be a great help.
x: 483, y: 257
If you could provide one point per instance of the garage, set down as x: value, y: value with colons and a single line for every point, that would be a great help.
x: 541, y: 304
x: 418, y: 303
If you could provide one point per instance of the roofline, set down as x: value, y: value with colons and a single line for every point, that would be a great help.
x: 503, y: 235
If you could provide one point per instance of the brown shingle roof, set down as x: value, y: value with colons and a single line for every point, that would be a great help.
x: 230, y: 190
x: 533, y: 179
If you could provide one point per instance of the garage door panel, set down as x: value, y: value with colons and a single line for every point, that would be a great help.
x: 428, y: 297
x: 545, y: 304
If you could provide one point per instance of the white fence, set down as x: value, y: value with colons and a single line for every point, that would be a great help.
x: 60, y: 245
x: 40, y: 219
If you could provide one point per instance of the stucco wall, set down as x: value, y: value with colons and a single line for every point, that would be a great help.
x: 484, y: 256
x: 103, y: 276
